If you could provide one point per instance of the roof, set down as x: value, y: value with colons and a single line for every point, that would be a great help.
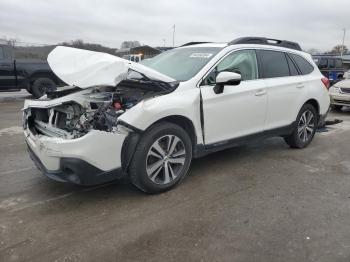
x: 222, y: 45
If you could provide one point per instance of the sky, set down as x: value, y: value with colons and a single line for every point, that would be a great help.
x: 311, y: 23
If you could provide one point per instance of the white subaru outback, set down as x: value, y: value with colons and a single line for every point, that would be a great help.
x: 147, y: 121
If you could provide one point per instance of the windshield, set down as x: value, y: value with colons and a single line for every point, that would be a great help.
x: 182, y: 63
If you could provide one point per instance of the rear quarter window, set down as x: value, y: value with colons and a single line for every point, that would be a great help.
x: 304, y: 66
x: 293, y: 70
x: 274, y: 64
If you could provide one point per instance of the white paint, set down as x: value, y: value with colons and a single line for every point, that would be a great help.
x: 250, y: 107
x: 85, y: 68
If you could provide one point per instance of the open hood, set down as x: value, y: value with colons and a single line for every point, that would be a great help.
x: 84, y: 68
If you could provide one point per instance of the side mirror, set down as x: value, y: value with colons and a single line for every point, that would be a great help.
x: 226, y: 78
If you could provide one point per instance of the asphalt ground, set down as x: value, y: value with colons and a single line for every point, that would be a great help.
x: 261, y: 202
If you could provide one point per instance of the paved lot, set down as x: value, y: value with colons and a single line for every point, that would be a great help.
x: 262, y: 202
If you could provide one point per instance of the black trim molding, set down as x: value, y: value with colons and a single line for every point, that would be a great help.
x: 202, y: 150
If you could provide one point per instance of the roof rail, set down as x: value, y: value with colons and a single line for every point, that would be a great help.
x: 266, y: 41
x: 194, y: 43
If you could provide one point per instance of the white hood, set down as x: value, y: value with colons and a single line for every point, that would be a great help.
x: 84, y: 68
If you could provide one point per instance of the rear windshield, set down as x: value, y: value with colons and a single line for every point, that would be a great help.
x: 182, y: 63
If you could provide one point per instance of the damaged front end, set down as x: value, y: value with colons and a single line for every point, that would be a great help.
x: 74, y: 134
x: 98, y: 109
x: 78, y: 137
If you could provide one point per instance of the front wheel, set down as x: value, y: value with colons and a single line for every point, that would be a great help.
x: 305, y: 127
x: 162, y: 158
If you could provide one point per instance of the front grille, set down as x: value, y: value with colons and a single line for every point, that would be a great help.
x: 345, y: 90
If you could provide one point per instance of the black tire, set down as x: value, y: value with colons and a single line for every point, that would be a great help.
x: 41, y: 86
x: 297, y: 139
x: 336, y: 107
x: 143, y: 158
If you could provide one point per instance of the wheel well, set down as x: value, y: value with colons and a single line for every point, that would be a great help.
x: 43, y: 75
x: 183, y: 122
x: 315, y: 104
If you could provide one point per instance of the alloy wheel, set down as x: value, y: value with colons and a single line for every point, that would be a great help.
x: 306, y: 126
x: 165, y: 159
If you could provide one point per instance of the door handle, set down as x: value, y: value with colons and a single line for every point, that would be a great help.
x: 300, y: 85
x: 260, y: 92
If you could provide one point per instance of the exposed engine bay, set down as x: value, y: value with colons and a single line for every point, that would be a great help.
x: 100, y: 110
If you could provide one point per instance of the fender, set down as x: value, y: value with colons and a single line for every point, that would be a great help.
x: 184, y: 103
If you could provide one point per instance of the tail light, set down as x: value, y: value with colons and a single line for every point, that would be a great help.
x: 325, y: 81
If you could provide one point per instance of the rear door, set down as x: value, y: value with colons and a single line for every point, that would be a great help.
x: 285, y: 88
x: 7, y: 70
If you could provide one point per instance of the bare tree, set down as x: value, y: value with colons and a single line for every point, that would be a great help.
x: 130, y: 44
x: 89, y: 46
x: 314, y: 51
x: 9, y: 41
x: 338, y: 49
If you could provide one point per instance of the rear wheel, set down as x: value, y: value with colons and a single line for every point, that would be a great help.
x: 41, y: 86
x: 162, y: 158
x: 305, y: 127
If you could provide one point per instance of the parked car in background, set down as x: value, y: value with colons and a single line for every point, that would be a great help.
x: 340, y: 94
x: 147, y: 121
x: 35, y: 76
x: 330, y: 66
x: 347, y: 74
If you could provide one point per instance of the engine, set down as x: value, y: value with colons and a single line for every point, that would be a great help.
x: 101, y: 110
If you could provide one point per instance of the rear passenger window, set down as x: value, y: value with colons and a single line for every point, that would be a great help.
x: 304, y: 66
x: 1, y: 53
x: 331, y: 63
x: 274, y: 64
x: 292, y: 69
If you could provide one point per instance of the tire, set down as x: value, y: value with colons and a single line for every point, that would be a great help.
x: 303, y: 134
x: 157, y: 165
x: 336, y: 107
x: 41, y: 86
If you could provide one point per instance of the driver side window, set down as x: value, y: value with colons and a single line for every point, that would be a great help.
x: 243, y: 62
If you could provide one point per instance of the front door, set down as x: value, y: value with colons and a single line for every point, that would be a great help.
x: 239, y: 110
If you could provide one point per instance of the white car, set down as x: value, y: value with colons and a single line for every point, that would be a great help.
x: 340, y: 94
x: 119, y: 118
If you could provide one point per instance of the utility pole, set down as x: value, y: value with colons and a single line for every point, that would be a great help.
x: 173, y: 35
x: 342, y: 47
x: 163, y: 42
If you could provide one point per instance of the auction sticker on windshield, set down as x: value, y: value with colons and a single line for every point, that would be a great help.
x: 201, y: 55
